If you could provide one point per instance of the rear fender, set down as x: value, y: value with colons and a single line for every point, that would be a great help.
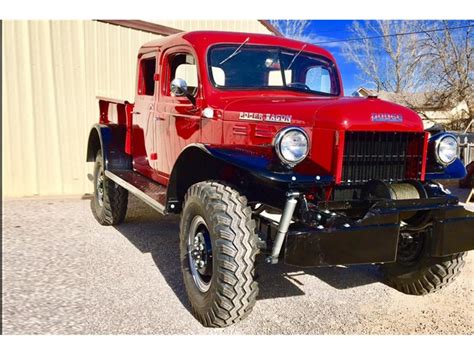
x: 111, y: 140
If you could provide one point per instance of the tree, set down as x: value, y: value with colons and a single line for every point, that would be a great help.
x: 428, y: 59
x: 387, y: 62
x: 294, y: 29
x: 450, y: 59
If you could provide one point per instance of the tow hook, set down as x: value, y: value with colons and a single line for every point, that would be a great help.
x: 287, y: 215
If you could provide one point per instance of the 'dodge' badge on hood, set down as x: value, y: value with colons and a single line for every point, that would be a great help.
x: 266, y: 117
x: 386, y: 117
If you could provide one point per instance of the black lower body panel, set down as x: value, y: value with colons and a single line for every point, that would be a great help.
x: 453, y: 231
x: 346, y: 245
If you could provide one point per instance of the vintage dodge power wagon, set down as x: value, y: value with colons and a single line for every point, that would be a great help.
x: 250, y: 138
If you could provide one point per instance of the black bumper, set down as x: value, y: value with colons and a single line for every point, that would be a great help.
x: 374, y: 238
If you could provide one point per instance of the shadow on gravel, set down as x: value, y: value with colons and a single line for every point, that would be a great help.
x: 283, y: 281
x: 152, y: 233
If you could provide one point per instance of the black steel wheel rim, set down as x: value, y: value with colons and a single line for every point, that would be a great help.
x: 200, y: 253
x: 100, y: 188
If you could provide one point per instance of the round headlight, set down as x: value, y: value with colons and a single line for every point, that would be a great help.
x: 291, y: 145
x: 446, y: 149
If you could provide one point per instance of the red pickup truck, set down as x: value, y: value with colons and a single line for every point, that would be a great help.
x: 250, y: 138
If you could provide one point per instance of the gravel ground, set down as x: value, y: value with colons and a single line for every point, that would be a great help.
x: 63, y: 273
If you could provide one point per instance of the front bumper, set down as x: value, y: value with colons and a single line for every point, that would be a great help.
x: 374, y: 238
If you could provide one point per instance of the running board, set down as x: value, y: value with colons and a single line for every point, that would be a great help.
x: 150, y: 192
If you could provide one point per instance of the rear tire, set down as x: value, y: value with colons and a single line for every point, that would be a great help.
x: 422, y: 274
x: 218, y: 246
x: 109, y: 204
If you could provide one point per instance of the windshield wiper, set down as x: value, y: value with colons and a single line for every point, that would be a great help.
x: 296, y: 56
x: 234, y: 53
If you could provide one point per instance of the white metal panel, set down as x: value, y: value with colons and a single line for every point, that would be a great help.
x: 52, y: 72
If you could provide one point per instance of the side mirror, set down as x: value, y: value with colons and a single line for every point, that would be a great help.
x: 179, y: 88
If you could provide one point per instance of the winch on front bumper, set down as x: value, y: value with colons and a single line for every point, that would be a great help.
x: 335, y: 239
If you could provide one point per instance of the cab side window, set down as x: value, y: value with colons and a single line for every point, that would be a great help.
x: 146, y: 79
x: 183, y: 66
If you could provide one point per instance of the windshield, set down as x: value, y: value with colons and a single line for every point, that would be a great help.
x: 258, y: 67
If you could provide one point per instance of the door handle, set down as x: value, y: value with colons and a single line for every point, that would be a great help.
x: 135, y: 113
x: 159, y: 118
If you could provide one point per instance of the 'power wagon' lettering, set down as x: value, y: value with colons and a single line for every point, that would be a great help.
x: 267, y: 117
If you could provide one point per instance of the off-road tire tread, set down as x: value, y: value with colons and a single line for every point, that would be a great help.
x: 115, y: 204
x: 430, y: 279
x: 237, y: 243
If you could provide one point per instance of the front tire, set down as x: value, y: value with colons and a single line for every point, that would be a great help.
x: 218, y: 246
x: 416, y: 272
x: 109, y: 204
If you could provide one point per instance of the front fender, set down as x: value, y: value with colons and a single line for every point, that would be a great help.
x: 262, y: 168
x: 252, y: 173
x: 455, y: 170
x: 436, y: 171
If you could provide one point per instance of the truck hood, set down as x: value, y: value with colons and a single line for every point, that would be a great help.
x: 346, y: 113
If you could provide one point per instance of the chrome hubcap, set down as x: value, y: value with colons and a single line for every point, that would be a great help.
x: 200, y: 253
x: 100, y: 189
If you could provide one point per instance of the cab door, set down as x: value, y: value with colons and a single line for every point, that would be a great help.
x: 181, y: 118
x: 143, y: 129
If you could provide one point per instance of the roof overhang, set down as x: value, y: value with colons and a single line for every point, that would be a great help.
x: 268, y: 25
x: 145, y: 26
x: 162, y: 30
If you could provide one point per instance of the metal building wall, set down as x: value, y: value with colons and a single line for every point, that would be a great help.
x: 51, y: 73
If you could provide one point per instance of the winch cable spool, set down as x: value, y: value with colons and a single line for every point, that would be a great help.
x: 410, y: 190
x: 396, y: 191
x: 404, y: 191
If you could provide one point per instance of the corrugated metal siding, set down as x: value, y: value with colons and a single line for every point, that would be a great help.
x: 51, y: 73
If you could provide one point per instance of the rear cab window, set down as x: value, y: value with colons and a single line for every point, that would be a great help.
x: 146, y: 78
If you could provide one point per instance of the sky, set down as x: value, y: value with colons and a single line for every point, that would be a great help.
x: 327, y: 30
x: 332, y: 30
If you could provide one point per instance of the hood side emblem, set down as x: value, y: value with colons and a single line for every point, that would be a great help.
x: 386, y: 117
x: 266, y: 117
